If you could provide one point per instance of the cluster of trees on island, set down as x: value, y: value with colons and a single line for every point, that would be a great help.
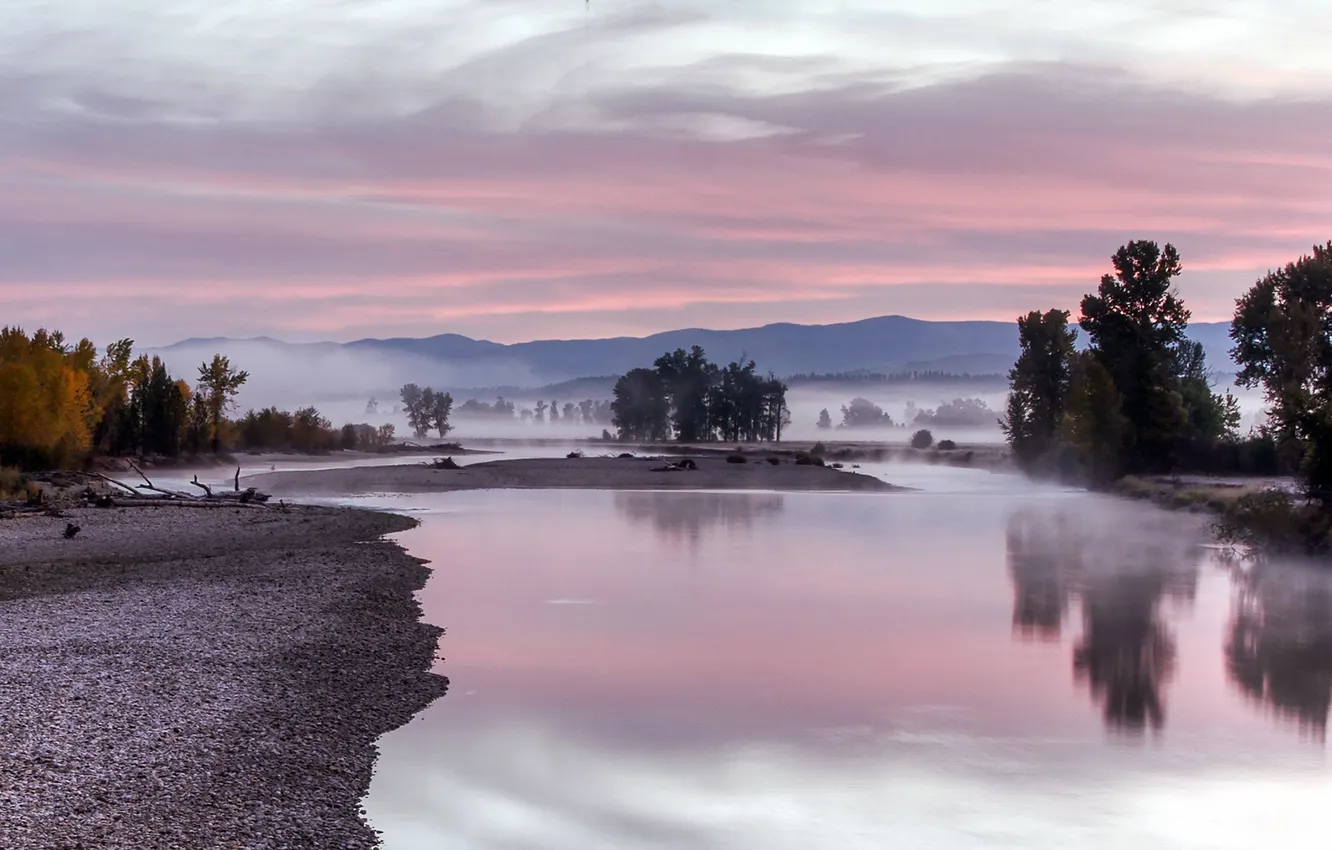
x: 685, y: 396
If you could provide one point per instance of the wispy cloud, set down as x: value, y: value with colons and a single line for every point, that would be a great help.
x: 518, y: 169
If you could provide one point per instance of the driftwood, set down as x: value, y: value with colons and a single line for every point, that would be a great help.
x: 141, y: 475
x: 685, y: 465
x: 207, y: 490
x: 121, y: 484
x: 183, y: 503
x: 237, y: 484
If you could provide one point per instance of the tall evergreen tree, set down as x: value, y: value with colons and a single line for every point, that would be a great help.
x: 1039, y: 384
x: 1136, y: 324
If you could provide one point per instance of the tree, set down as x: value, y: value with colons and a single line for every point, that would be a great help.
x: 1282, y: 345
x: 922, y: 439
x: 688, y: 378
x: 540, y: 412
x: 554, y: 411
x: 164, y: 405
x: 569, y: 411
x: 47, y: 408
x: 1094, y: 422
x: 959, y: 413
x: 825, y: 420
x: 1039, y: 384
x: 440, y: 408
x: 776, y: 413
x: 414, y: 404
x: 1136, y: 324
x: 863, y: 413
x: 641, y: 410
x: 218, y: 386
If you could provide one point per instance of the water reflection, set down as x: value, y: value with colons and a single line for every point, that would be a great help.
x: 1279, y: 650
x: 681, y: 518
x: 832, y: 670
x: 1120, y: 577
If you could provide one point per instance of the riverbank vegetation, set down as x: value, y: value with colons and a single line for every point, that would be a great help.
x: 686, y: 397
x: 65, y: 405
x: 1139, y: 399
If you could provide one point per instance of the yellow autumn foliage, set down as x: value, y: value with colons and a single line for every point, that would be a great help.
x: 47, y: 411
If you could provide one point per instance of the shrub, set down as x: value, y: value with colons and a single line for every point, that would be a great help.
x: 819, y: 449
x: 922, y: 439
x: 13, y: 485
x: 839, y: 466
x: 573, y: 455
x: 1275, y: 522
x: 625, y: 455
x: 947, y: 445
x: 737, y: 459
x: 807, y: 459
x: 445, y: 463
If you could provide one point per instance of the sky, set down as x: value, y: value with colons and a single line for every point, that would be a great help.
x: 515, y: 169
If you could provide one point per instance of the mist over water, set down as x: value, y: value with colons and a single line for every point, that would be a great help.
x: 340, y: 381
x: 984, y: 663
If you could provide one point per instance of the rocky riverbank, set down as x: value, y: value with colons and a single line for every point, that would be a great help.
x: 175, y: 678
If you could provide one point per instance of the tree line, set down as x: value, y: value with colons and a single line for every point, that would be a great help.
x: 686, y: 397
x: 1137, y: 400
x: 585, y: 412
x: 915, y: 376
x: 64, y: 403
x: 958, y: 413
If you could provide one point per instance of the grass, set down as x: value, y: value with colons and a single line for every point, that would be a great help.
x: 1218, y: 498
x: 14, y: 486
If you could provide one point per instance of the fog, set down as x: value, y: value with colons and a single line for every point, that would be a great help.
x: 292, y: 376
x: 340, y: 381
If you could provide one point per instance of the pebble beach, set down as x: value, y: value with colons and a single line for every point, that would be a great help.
x: 184, y: 678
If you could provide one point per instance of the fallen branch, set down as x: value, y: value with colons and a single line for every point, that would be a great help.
x: 185, y: 503
x: 122, y: 485
x: 238, y: 479
x: 171, y: 493
x: 141, y: 475
x: 685, y: 465
x: 197, y: 483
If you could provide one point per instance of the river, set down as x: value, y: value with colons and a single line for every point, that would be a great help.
x: 983, y: 663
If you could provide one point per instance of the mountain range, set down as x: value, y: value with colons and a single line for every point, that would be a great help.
x: 882, y: 344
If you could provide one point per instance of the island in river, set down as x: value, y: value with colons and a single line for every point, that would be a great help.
x: 708, y: 472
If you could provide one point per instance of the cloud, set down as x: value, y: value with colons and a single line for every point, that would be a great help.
x: 517, y: 170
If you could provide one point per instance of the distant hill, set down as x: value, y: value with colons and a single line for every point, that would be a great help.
x: 883, y: 344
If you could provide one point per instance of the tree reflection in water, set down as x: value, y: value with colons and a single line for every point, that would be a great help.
x: 1120, y: 562
x: 684, y: 517
x: 1279, y: 649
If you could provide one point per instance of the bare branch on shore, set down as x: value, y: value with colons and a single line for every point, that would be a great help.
x: 141, y: 475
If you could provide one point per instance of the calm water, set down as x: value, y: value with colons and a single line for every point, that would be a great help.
x: 978, y: 665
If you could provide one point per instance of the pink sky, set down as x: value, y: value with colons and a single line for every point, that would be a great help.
x: 519, y: 170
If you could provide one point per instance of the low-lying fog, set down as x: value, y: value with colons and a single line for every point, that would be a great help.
x: 341, y: 383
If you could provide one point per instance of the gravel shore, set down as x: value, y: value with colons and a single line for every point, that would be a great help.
x: 185, y: 678
x: 597, y: 473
